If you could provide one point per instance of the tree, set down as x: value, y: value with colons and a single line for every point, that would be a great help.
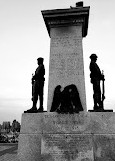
x: 15, y: 126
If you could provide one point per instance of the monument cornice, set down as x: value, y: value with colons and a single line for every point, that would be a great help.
x: 67, y: 17
x: 59, y: 23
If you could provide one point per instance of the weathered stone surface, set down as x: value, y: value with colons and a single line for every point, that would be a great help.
x: 29, y: 147
x: 66, y: 123
x: 66, y: 61
x: 102, y: 122
x: 31, y: 123
x: 83, y: 122
x: 104, y: 147
x: 59, y: 137
x: 92, y: 123
x: 67, y: 147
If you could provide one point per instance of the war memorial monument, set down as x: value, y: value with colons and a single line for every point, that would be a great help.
x: 67, y: 131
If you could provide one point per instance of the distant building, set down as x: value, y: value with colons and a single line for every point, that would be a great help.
x: 7, y: 127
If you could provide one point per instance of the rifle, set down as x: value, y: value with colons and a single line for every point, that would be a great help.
x: 103, y: 89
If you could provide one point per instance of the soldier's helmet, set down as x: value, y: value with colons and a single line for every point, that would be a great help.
x: 93, y: 56
x: 40, y: 60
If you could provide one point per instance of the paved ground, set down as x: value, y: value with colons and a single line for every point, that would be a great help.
x: 8, y: 152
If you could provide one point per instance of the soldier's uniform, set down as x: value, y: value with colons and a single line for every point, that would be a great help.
x: 96, y: 77
x: 38, y: 84
x: 37, y: 87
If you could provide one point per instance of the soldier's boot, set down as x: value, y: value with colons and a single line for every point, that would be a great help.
x: 33, y: 109
x: 96, y: 107
x: 41, y: 104
x: 101, y: 106
x: 100, y: 103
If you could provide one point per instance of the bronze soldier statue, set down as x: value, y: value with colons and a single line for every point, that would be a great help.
x: 37, y: 87
x: 96, y: 76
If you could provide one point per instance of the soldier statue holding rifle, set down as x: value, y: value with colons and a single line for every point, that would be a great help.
x: 37, y: 87
x: 96, y: 76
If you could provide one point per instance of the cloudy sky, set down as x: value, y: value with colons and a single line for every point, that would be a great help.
x: 24, y: 38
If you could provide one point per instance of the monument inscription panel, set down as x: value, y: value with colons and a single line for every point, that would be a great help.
x: 66, y: 123
x: 67, y: 147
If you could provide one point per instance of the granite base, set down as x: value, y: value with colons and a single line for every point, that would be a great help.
x: 85, y: 136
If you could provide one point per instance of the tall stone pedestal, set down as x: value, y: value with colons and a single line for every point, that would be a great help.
x: 66, y: 28
x: 69, y: 137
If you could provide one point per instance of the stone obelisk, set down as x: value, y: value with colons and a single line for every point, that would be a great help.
x: 66, y: 28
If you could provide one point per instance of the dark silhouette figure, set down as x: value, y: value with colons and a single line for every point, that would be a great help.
x: 96, y: 76
x: 67, y: 101
x: 37, y: 87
